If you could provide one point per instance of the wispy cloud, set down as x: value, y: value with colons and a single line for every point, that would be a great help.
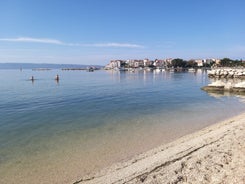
x: 58, y: 42
x: 116, y: 45
x: 32, y: 40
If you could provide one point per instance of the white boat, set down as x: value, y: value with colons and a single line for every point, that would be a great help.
x: 158, y: 70
x: 149, y: 69
x: 191, y: 70
x: 120, y: 69
x: 131, y: 70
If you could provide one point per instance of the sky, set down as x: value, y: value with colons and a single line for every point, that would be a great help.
x: 97, y: 31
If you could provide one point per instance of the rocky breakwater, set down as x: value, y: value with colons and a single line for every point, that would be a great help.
x: 226, y: 80
x: 219, y: 86
x: 227, y: 73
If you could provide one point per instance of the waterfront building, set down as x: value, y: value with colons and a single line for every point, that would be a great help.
x: 199, y: 62
x: 158, y: 63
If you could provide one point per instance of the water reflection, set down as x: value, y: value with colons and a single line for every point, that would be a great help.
x: 227, y: 80
x: 221, y: 94
x: 148, y: 74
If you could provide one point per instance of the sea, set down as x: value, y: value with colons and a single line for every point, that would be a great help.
x: 60, y: 131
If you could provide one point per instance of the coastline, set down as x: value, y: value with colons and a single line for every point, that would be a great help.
x: 214, y: 154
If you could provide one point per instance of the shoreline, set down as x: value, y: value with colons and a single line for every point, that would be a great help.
x: 214, y: 154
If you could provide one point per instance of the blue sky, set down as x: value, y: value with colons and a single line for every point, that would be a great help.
x: 97, y: 31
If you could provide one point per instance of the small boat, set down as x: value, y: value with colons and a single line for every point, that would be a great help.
x: 90, y: 69
x: 131, y: 70
x: 121, y: 69
x: 158, y: 70
x: 149, y: 69
x: 171, y: 70
x: 191, y: 70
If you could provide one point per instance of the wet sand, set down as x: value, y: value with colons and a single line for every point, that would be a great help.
x: 215, y: 154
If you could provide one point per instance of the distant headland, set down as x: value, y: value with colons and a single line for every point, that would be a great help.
x: 45, y: 66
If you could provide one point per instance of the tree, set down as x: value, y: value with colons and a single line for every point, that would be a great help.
x: 226, y: 62
x: 178, y: 63
x: 191, y: 64
x: 230, y: 63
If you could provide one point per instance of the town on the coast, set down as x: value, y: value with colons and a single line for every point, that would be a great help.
x: 170, y: 64
x: 228, y: 75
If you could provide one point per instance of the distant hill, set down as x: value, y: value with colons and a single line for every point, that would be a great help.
x: 42, y: 65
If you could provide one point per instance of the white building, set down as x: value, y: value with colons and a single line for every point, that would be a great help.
x: 199, y: 62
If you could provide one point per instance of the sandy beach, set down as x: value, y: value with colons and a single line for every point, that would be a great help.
x: 215, y: 154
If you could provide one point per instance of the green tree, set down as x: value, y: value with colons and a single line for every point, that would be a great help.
x: 230, y: 63
x: 226, y: 62
x: 191, y: 64
x: 178, y: 63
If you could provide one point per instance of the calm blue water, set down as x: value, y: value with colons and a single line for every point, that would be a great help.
x: 91, y: 119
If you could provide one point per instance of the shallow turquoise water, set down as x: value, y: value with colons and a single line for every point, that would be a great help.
x: 92, y: 119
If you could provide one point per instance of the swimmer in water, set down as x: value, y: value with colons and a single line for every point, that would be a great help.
x: 57, y: 77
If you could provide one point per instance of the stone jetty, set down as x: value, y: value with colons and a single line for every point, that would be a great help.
x: 227, y: 73
x: 219, y: 86
x: 226, y: 80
